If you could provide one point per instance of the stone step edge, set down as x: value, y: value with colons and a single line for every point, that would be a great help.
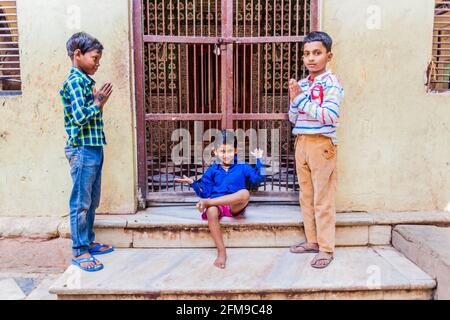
x: 46, y: 228
x: 337, y: 295
x: 415, y: 287
x: 342, y: 219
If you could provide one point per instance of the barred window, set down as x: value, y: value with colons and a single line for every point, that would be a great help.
x: 438, y: 74
x: 10, y: 81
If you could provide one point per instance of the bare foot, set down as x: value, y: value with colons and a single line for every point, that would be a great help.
x: 202, y: 205
x: 221, y: 260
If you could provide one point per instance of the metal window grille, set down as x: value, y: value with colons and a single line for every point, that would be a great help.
x: 438, y: 74
x: 10, y: 81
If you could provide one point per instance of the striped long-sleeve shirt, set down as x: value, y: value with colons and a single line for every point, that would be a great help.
x: 316, y: 110
x: 83, y: 120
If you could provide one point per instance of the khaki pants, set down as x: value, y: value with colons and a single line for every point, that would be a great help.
x: 315, y: 157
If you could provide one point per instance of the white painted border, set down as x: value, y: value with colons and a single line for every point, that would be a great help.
x: 319, y: 14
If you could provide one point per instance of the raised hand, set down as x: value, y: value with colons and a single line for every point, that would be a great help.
x: 101, y: 96
x: 294, y: 89
x: 184, y: 180
x: 257, y: 153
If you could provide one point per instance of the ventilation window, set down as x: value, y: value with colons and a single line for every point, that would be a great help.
x: 10, y: 81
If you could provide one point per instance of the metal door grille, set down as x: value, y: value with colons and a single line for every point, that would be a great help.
x: 210, y: 65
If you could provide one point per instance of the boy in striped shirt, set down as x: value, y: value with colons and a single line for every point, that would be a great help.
x: 314, y: 111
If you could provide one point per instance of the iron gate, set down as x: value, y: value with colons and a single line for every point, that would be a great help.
x: 210, y: 65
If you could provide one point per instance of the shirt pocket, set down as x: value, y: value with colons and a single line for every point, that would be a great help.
x: 89, y: 94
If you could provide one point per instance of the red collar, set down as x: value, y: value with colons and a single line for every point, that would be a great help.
x: 311, y: 78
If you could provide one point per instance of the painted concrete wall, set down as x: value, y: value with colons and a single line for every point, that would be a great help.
x: 395, y: 138
x: 34, y: 174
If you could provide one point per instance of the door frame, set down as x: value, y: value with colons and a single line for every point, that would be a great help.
x: 226, y: 43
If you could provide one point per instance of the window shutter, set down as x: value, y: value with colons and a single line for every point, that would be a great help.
x: 9, y: 48
x: 439, y: 69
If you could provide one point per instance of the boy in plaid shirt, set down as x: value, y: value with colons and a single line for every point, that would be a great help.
x: 83, y: 109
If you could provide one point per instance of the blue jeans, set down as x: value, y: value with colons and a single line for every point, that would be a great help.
x: 86, y: 170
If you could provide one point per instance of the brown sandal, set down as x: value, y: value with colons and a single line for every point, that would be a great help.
x: 317, y: 266
x: 302, y: 245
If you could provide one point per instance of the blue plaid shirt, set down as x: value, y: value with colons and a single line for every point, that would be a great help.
x: 82, y: 118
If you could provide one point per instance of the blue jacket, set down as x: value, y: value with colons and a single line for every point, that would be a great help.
x: 217, y: 182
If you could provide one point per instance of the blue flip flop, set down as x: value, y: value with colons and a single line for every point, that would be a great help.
x: 79, y: 261
x: 95, y: 250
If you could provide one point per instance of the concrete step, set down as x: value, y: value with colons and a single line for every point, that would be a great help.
x: 251, y: 273
x: 264, y: 226
x: 429, y: 248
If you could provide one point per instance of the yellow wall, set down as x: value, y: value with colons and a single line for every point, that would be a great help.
x: 34, y: 174
x: 395, y: 138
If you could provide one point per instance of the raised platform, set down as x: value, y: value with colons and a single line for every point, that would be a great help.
x: 429, y: 248
x: 252, y: 273
x: 264, y: 226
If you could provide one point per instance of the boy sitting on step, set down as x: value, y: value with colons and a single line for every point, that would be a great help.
x: 223, y: 188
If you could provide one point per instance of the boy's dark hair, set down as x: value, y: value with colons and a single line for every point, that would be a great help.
x: 83, y: 41
x: 227, y: 137
x: 319, y: 36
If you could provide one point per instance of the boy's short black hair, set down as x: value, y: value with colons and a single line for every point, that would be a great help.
x: 319, y: 36
x: 227, y: 137
x: 83, y: 41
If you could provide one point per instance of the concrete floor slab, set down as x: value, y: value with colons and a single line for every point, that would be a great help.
x: 171, y: 273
